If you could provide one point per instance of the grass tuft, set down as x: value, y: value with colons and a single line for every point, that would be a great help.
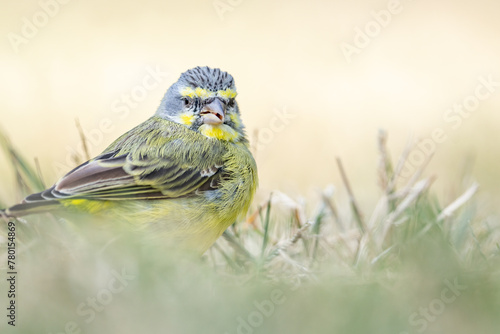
x: 411, y: 265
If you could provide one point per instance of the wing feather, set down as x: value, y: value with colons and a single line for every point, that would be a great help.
x: 148, y: 162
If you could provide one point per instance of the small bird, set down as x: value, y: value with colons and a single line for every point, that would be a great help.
x: 187, y: 171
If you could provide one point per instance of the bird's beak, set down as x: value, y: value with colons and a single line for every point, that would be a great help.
x: 213, y: 113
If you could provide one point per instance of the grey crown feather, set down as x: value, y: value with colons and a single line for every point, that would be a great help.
x: 208, y: 78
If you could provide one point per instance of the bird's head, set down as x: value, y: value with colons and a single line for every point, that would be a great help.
x: 203, y: 99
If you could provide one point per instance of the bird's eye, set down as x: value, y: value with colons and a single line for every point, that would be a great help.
x: 187, y: 101
x: 230, y: 103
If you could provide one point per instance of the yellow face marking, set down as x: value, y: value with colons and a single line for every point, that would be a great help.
x: 197, y: 92
x: 221, y: 132
x: 188, y: 91
x: 228, y: 93
x: 204, y: 93
x: 187, y: 118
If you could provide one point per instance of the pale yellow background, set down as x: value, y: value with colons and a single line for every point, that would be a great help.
x: 284, y: 55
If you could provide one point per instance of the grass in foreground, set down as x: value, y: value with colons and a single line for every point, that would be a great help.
x: 411, y: 266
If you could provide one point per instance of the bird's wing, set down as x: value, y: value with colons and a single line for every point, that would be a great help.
x: 157, y: 159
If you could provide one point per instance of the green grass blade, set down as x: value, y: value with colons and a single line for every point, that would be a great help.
x: 27, y: 177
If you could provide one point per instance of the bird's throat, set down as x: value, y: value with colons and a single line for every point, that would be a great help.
x: 221, y: 132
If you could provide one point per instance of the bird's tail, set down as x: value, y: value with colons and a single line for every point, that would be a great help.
x: 24, y: 209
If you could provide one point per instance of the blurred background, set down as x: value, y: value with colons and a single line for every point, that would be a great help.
x: 316, y: 80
